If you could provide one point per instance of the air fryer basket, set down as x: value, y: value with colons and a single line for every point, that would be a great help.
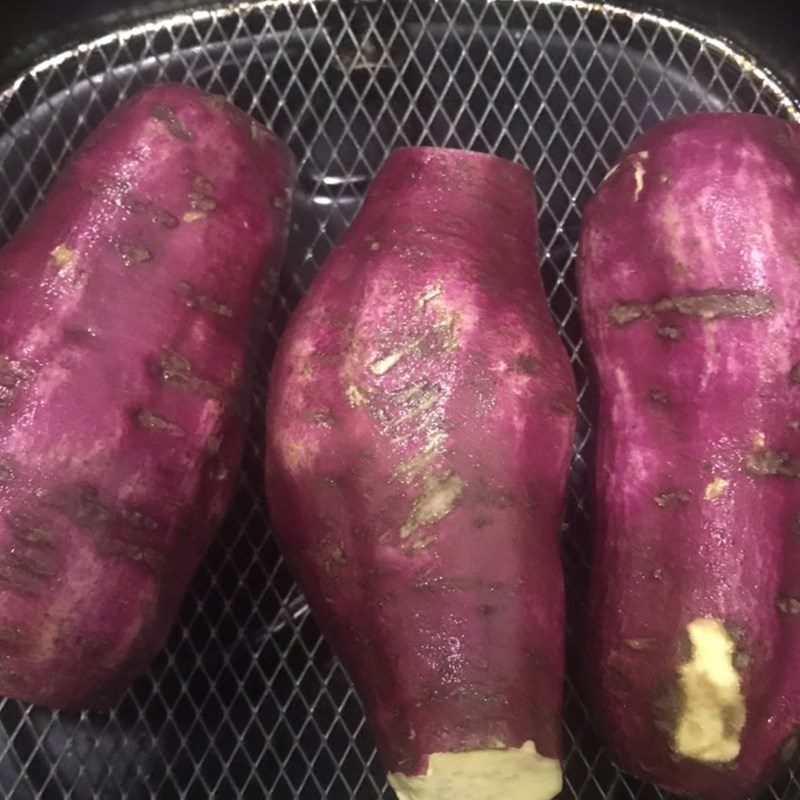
x: 248, y: 701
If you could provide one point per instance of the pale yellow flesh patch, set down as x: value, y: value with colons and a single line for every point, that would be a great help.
x: 713, y: 714
x: 429, y: 294
x: 511, y: 774
x: 62, y: 256
x: 355, y: 397
x: 638, y: 173
x: 437, y: 500
x: 297, y: 456
x: 716, y: 488
x: 383, y: 365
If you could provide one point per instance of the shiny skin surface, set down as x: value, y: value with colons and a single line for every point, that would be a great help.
x: 689, y: 275
x: 420, y: 424
x: 126, y: 301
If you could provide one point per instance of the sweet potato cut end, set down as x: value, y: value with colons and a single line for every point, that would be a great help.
x: 513, y: 774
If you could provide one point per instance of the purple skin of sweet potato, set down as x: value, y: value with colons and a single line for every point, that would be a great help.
x: 689, y: 272
x: 420, y: 422
x: 126, y: 302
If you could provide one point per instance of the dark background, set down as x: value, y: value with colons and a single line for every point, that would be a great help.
x: 30, y: 29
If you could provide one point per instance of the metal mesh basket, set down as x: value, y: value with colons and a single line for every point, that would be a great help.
x: 248, y: 701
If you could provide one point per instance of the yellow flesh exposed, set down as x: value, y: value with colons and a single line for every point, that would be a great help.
x: 713, y: 713
x: 515, y: 774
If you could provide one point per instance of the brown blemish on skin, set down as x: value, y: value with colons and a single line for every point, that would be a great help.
x: 147, y: 419
x: 31, y: 529
x: 201, y: 203
x: 796, y: 526
x: 719, y: 304
x: 133, y: 205
x: 200, y: 199
x: 11, y: 374
x: 94, y: 188
x: 133, y: 253
x: 670, y: 332
x: 25, y: 573
x: 259, y: 133
x: 77, y: 333
x: 673, y: 498
x: 659, y: 396
x: 423, y: 542
x: 213, y: 443
x: 526, y: 363
x: 146, y: 557
x: 622, y: 314
x: 789, y: 606
x: 162, y: 217
x: 7, y: 469
x: 220, y: 473
x: 789, y: 749
x: 483, y: 493
x: 170, y: 120
x: 173, y: 369
x: 639, y: 644
x: 136, y: 519
x: 33, y: 560
x: 322, y: 417
x: 82, y: 504
x: 11, y: 638
x: 195, y: 299
x: 422, y: 460
x: 284, y: 199
x: 332, y: 555
x: 766, y: 463
x: 201, y: 184
x: 794, y: 374
x: 442, y: 585
x: 741, y: 661
x: 705, y: 306
x: 216, y: 101
x: 562, y: 406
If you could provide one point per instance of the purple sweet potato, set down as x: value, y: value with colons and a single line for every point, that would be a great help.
x: 690, y: 294
x: 126, y: 302
x: 420, y: 424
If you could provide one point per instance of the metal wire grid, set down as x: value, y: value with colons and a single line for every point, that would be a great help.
x: 248, y: 701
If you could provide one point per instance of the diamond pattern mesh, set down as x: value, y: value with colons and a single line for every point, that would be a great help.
x: 247, y: 701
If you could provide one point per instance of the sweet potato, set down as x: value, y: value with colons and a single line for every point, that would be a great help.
x: 126, y: 302
x: 420, y: 422
x: 689, y: 271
